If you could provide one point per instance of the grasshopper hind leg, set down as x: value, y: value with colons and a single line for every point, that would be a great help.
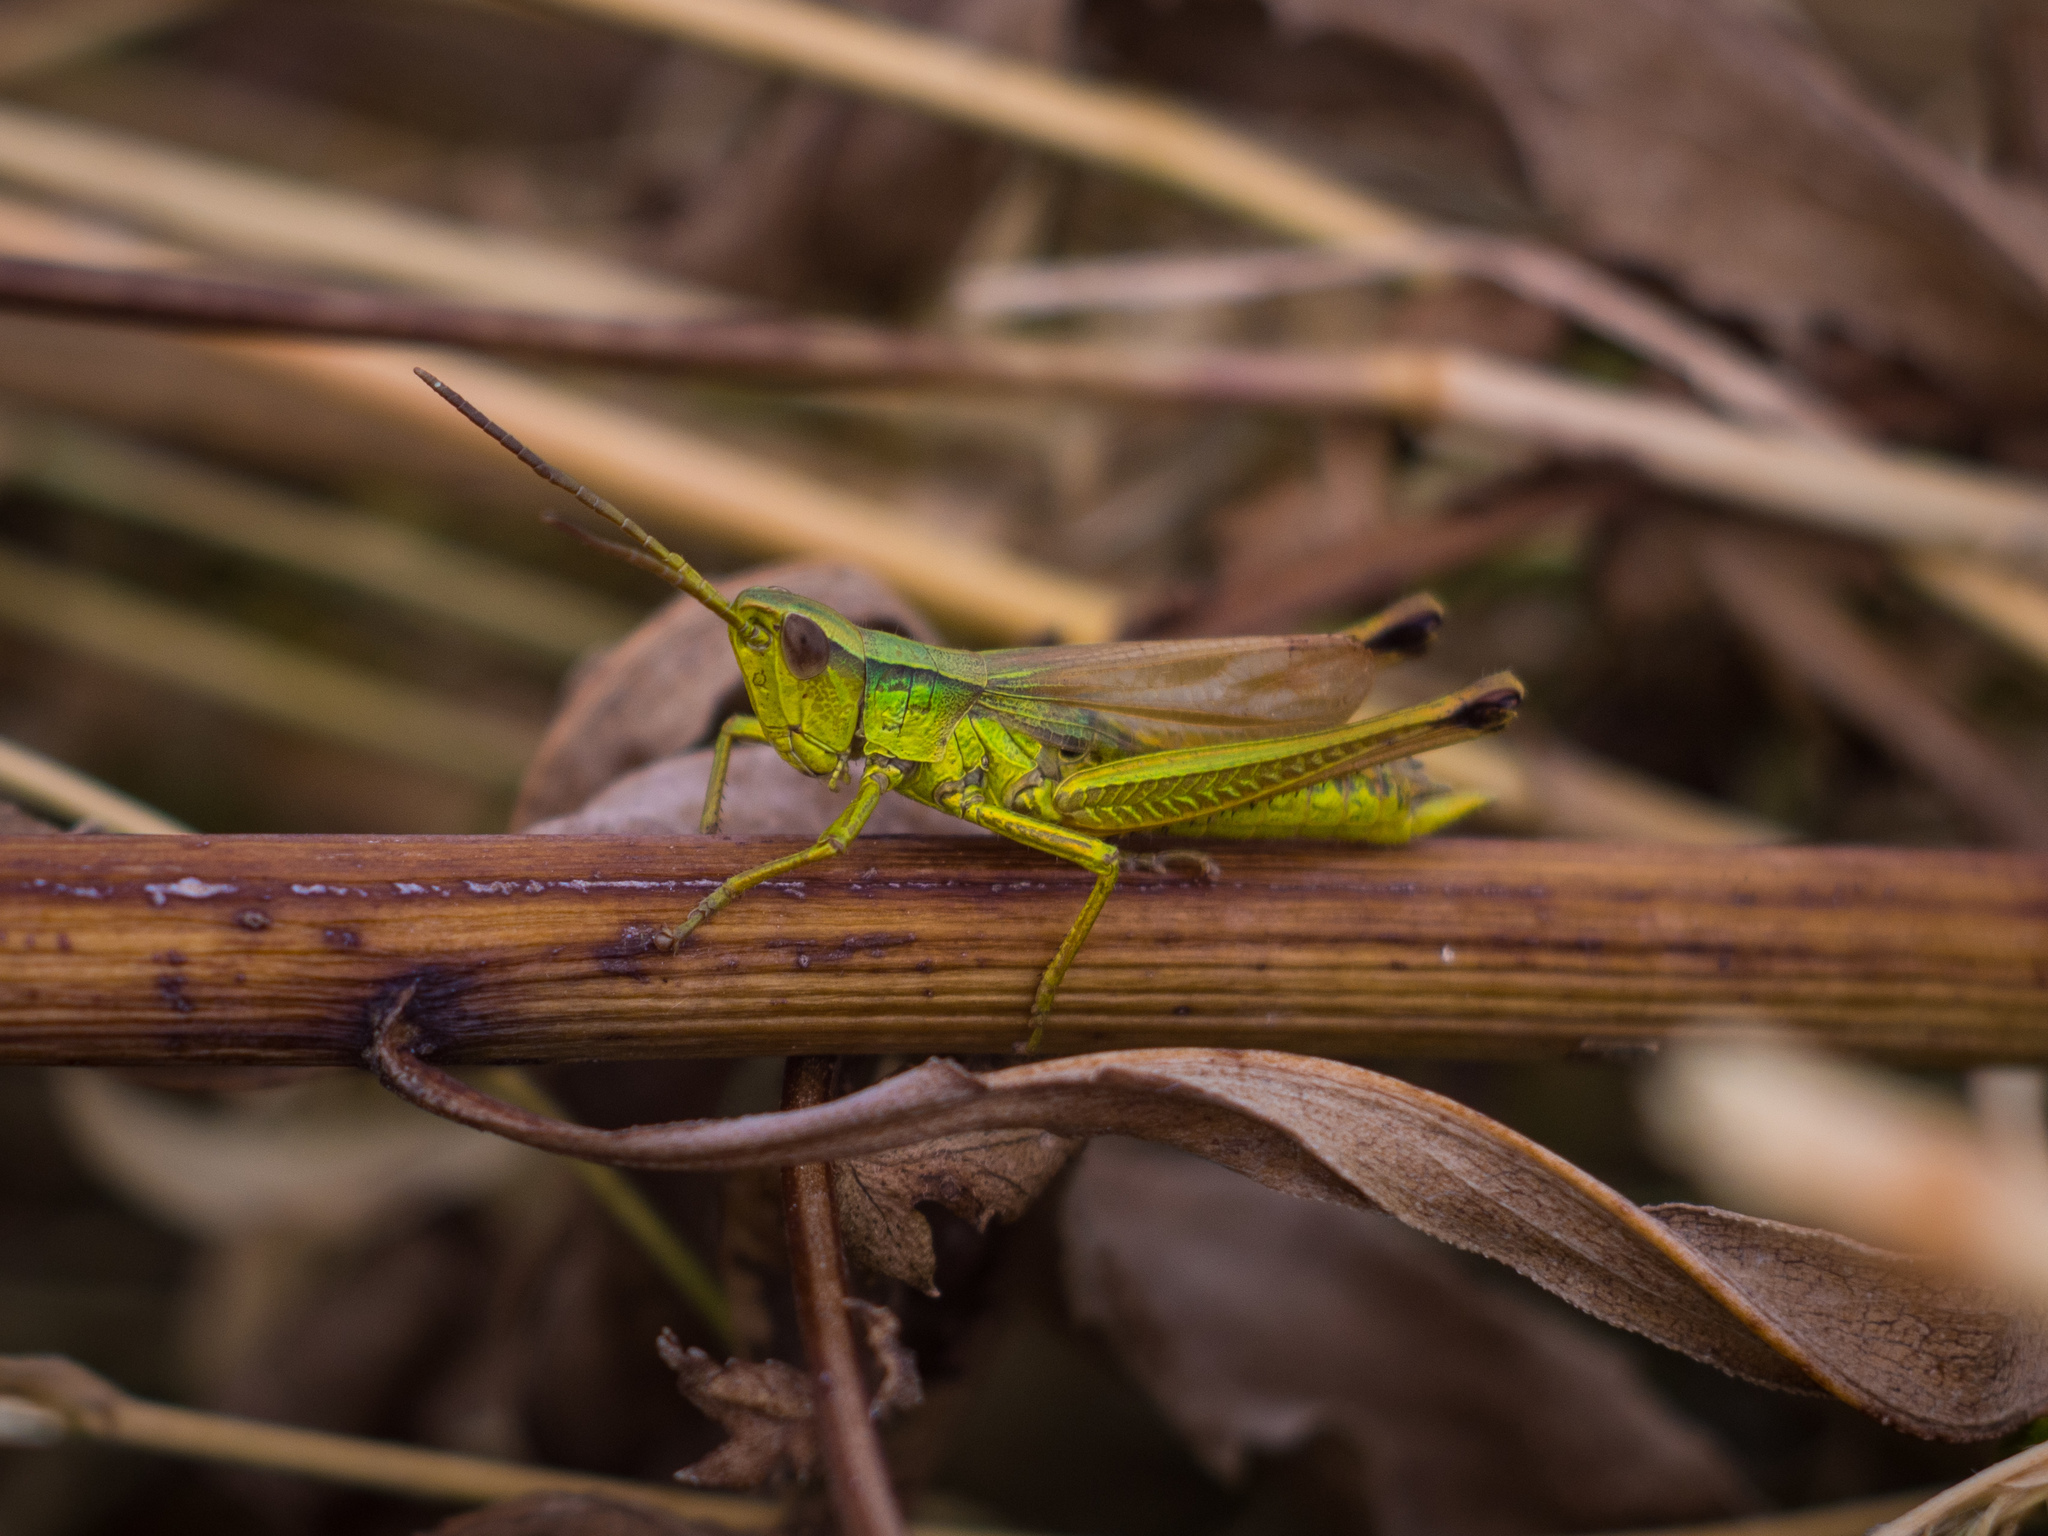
x: 1093, y: 854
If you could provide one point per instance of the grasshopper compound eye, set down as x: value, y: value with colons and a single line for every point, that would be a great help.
x: 804, y: 647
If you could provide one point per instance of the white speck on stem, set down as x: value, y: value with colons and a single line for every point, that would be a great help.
x: 191, y: 886
x: 1449, y: 955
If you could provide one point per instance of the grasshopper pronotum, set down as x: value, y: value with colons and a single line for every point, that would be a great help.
x: 1061, y: 747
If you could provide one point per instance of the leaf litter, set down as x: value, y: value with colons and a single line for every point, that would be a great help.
x: 1782, y: 1306
x: 1262, y: 1324
x: 1701, y: 144
x: 768, y: 1407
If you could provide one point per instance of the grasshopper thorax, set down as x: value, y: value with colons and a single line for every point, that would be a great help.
x: 805, y: 669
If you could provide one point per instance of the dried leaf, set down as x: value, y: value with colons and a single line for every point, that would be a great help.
x: 763, y: 1405
x: 1782, y: 1306
x: 767, y: 1406
x: 1708, y: 142
x: 1260, y: 1324
x: 980, y: 1176
x: 900, y: 1387
x: 583, y: 1514
x: 658, y: 692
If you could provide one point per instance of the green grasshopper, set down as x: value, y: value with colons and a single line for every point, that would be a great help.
x: 1062, y: 747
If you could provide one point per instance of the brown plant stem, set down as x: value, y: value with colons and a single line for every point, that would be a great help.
x: 1740, y: 385
x: 1819, y: 480
x: 859, y: 1476
x: 280, y: 949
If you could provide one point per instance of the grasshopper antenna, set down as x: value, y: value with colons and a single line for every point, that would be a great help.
x: 632, y: 557
x: 659, y: 558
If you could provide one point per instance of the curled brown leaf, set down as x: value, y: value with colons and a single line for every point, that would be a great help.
x: 980, y: 1176
x: 1783, y: 1306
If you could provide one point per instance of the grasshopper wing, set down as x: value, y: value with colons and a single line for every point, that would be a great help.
x: 1155, y: 790
x: 1145, y: 695
x: 1148, y: 694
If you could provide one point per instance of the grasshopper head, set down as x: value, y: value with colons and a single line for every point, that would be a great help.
x: 805, y: 671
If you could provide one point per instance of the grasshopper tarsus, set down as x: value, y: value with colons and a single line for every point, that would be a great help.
x: 1062, y: 747
x: 1166, y: 861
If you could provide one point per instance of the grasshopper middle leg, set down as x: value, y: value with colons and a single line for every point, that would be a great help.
x: 877, y: 781
x: 1092, y: 854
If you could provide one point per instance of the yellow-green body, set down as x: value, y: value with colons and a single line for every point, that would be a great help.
x: 1063, y: 747
x: 920, y: 708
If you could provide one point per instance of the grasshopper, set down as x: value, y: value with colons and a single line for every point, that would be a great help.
x: 1061, y: 748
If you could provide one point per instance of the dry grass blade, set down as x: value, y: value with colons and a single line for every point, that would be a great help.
x: 678, y: 482
x: 2009, y: 606
x: 75, y: 1402
x: 228, y: 207
x: 1783, y: 1306
x: 1556, y: 790
x: 1777, y: 1128
x: 1156, y: 141
x: 1995, y: 1502
x: 237, y: 667
x: 374, y: 556
x: 1854, y: 1518
x: 1135, y: 133
x: 1807, y: 634
x: 48, y: 785
x: 675, y: 480
x: 1716, y: 370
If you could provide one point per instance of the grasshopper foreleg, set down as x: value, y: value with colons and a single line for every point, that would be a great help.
x: 1091, y: 853
x: 736, y: 728
x: 877, y: 781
